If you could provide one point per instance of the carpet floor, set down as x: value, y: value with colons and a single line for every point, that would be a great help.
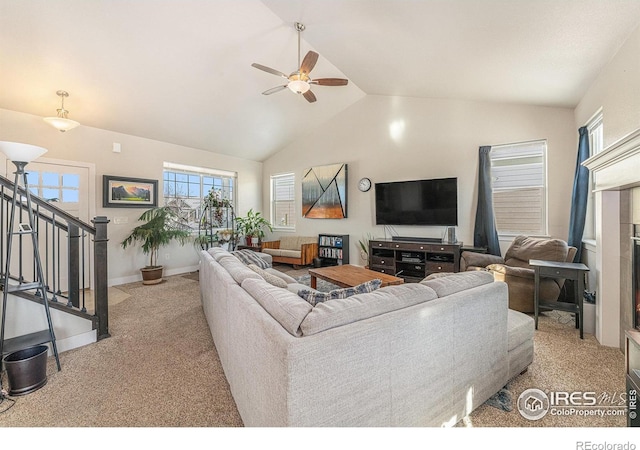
x: 160, y: 368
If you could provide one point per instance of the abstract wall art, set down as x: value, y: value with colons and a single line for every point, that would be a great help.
x: 324, y: 192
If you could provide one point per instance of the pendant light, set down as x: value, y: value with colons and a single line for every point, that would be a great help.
x: 61, y: 122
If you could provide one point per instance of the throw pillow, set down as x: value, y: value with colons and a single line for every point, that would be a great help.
x: 269, y: 278
x: 314, y: 297
x: 250, y: 257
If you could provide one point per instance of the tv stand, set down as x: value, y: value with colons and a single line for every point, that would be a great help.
x: 413, y: 260
x: 416, y: 239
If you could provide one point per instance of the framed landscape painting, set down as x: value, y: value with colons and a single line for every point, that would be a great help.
x: 123, y: 192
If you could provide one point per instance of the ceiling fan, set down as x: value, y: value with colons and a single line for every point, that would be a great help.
x: 299, y: 81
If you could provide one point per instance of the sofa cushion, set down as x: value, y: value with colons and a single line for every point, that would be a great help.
x: 295, y: 242
x: 290, y: 253
x: 285, y: 307
x: 520, y: 329
x: 237, y: 270
x: 315, y: 297
x: 250, y: 257
x: 455, y: 282
x: 218, y: 253
x: 287, y: 279
x: 524, y: 248
x: 344, y: 311
x: 269, y: 278
x: 297, y: 287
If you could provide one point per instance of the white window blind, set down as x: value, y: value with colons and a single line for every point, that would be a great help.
x: 283, y: 201
x: 519, y: 188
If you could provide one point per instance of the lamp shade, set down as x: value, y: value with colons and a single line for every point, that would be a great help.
x: 298, y: 86
x: 61, y: 123
x: 17, y: 151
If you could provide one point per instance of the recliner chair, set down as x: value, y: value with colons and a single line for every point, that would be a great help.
x: 514, y: 269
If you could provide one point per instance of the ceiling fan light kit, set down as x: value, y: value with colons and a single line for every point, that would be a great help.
x: 299, y: 82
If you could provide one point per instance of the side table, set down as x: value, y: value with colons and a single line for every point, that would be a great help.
x: 569, y: 271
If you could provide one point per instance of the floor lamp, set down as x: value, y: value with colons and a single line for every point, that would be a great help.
x: 21, y: 155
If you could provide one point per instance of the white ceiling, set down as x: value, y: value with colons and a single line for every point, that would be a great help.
x: 180, y: 71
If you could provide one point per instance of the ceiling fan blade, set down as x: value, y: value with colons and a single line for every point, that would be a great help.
x: 274, y: 90
x: 310, y: 96
x: 309, y: 62
x: 329, y: 81
x: 270, y: 70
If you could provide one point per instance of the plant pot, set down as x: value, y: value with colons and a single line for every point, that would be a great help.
x: 152, y: 275
x: 27, y: 369
x: 255, y: 241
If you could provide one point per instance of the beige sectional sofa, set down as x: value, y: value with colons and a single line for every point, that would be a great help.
x: 419, y: 354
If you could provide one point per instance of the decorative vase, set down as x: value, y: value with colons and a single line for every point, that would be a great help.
x: 152, y: 275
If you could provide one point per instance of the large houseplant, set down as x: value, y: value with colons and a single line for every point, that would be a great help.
x: 253, y: 226
x: 161, y: 227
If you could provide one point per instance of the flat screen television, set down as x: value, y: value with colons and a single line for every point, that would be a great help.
x: 418, y: 202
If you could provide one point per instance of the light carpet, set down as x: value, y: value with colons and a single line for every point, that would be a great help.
x: 160, y: 368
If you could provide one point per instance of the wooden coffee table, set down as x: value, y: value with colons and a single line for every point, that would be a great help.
x: 348, y: 275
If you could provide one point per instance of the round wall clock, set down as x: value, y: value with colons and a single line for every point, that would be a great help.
x: 364, y: 185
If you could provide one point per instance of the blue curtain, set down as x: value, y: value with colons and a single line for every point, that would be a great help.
x: 580, y: 195
x: 485, y: 233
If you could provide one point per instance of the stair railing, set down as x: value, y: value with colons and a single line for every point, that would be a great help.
x: 73, y: 254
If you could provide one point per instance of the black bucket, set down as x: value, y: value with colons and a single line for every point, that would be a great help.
x: 26, y: 369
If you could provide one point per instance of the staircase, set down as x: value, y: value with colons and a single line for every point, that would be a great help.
x: 74, y: 267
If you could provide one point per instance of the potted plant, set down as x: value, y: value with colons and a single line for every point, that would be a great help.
x: 364, y: 247
x: 160, y: 228
x: 252, y: 226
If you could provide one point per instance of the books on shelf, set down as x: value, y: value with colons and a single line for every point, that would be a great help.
x: 331, y: 241
x: 328, y: 252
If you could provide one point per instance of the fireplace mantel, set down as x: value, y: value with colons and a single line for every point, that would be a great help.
x: 618, y: 166
x: 615, y: 170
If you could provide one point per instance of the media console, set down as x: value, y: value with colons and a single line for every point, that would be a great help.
x: 413, y: 260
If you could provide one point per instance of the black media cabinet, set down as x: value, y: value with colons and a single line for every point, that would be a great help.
x: 413, y: 260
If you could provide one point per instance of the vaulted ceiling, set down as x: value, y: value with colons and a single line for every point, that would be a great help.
x: 180, y: 71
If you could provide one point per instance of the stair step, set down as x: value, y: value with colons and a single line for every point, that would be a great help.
x: 26, y: 341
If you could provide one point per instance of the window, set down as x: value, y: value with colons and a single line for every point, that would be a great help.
x: 54, y: 186
x: 185, y: 187
x: 519, y: 188
x: 596, y: 144
x: 283, y: 201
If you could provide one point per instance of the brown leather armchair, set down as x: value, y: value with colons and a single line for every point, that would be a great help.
x: 514, y: 269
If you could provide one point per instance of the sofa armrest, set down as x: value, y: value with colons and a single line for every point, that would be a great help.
x: 270, y: 244
x: 474, y: 259
x: 308, y: 252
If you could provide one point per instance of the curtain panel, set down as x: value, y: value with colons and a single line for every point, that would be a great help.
x: 485, y: 233
x: 578, y: 212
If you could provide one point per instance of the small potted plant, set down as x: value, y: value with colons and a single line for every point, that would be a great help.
x: 160, y: 228
x: 252, y: 226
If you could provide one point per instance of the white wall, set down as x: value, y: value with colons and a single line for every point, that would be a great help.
x: 617, y: 92
x: 140, y: 158
x: 400, y: 138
